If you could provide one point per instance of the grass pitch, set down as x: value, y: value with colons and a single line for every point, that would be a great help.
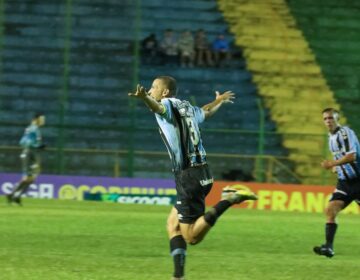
x: 52, y: 239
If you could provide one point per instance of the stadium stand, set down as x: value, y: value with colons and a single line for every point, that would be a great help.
x: 98, y: 77
x: 198, y: 85
x: 287, y: 75
x: 85, y: 89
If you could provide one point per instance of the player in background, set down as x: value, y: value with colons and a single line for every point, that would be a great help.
x: 31, y: 143
x: 179, y: 124
x: 344, y: 145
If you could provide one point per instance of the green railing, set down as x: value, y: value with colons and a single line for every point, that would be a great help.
x: 274, y: 167
x: 155, y: 163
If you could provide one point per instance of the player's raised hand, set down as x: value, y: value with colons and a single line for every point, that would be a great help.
x: 140, y: 92
x: 226, y: 97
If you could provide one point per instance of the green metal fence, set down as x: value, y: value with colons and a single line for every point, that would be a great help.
x: 155, y: 163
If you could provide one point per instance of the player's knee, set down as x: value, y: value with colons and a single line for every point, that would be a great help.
x: 330, y: 213
x: 195, y: 241
x: 327, y: 211
x: 172, y: 227
x: 192, y: 240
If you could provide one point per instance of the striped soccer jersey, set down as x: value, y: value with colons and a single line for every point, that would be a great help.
x: 344, y: 141
x: 179, y: 128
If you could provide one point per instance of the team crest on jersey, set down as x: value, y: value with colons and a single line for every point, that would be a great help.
x: 184, y: 109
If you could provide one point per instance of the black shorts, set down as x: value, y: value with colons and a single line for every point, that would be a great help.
x: 347, y: 191
x: 192, y: 186
x: 30, y: 161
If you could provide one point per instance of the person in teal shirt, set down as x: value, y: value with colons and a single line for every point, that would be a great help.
x: 31, y: 143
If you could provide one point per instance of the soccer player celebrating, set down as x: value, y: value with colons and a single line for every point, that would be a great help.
x: 344, y: 145
x: 31, y: 142
x: 179, y: 124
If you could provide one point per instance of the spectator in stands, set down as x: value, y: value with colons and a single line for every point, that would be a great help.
x: 221, y: 50
x: 345, y: 147
x: 179, y: 123
x: 31, y: 143
x: 169, y: 48
x: 186, y: 49
x: 202, y: 49
x: 149, y: 49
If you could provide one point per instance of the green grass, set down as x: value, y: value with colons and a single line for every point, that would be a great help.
x: 52, y: 239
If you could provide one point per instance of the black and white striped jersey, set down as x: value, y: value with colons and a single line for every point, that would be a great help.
x: 344, y: 141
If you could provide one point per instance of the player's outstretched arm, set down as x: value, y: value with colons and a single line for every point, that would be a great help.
x: 211, y: 108
x: 153, y: 105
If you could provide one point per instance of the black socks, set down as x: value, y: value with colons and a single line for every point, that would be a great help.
x: 178, y: 252
x: 213, y: 214
x: 330, y: 230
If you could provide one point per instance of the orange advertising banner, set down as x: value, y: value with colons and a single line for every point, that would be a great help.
x: 281, y: 197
